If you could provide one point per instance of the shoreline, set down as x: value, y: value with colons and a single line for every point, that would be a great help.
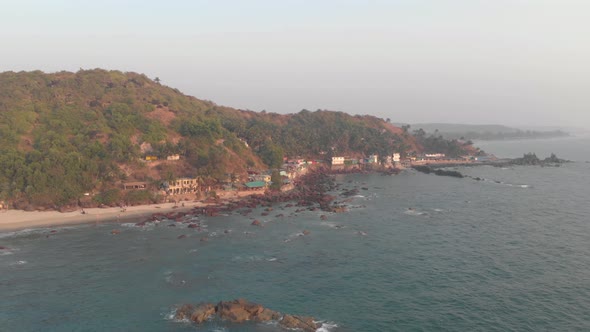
x: 15, y: 220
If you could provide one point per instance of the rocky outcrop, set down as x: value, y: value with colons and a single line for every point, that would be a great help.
x: 439, y: 172
x: 298, y: 322
x: 240, y: 311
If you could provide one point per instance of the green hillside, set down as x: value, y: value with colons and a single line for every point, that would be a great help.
x: 65, y: 134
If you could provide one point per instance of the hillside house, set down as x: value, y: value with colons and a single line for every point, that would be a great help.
x: 181, y: 186
x: 173, y: 157
x: 134, y: 185
x: 338, y: 160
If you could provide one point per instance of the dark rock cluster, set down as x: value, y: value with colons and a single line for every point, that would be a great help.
x: 240, y: 311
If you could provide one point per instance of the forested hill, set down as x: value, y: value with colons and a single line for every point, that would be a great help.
x: 65, y: 134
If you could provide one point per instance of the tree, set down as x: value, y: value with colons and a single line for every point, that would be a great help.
x: 157, y: 80
x: 271, y: 154
x: 276, y: 180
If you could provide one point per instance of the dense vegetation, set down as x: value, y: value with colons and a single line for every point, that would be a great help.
x: 65, y: 134
x: 437, y: 144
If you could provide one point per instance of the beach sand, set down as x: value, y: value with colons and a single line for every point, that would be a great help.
x: 11, y: 220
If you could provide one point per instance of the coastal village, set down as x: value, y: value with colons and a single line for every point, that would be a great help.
x: 260, y: 180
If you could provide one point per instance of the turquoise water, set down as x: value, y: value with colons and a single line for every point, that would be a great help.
x: 508, y: 254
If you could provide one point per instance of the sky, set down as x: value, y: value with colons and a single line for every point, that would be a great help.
x: 513, y: 62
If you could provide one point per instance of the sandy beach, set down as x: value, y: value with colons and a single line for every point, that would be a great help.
x: 11, y: 220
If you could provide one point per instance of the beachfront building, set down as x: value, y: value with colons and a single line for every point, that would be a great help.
x: 181, y: 186
x: 434, y: 156
x: 255, y: 185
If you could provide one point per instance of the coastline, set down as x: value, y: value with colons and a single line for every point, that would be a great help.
x: 14, y: 220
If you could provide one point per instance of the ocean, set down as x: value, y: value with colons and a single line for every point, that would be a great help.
x: 415, y: 252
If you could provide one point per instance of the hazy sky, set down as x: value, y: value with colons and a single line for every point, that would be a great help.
x: 513, y: 62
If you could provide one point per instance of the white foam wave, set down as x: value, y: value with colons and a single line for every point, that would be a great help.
x: 170, y: 316
x: 19, y: 263
x: 326, y: 326
x: 25, y: 232
x: 6, y: 253
x: 518, y: 185
x: 414, y: 212
x: 247, y: 258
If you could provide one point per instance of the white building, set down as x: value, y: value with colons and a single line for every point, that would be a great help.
x: 337, y: 160
x: 173, y: 157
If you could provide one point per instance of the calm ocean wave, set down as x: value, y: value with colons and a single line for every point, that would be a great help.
x: 424, y: 253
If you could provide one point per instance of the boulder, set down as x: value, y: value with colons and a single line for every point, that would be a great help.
x: 256, y: 223
x: 233, y: 311
x: 115, y: 232
x: 202, y: 313
x: 306, y: 232
x: 266, y: 314
x: 299, y: 322
x: 184, y: 312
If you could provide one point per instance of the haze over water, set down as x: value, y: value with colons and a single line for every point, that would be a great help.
x: 507, y: 253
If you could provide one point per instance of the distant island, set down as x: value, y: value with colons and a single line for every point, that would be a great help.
x: 485, y: 132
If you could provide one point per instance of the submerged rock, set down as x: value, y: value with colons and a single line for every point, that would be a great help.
x: 256, y: 223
